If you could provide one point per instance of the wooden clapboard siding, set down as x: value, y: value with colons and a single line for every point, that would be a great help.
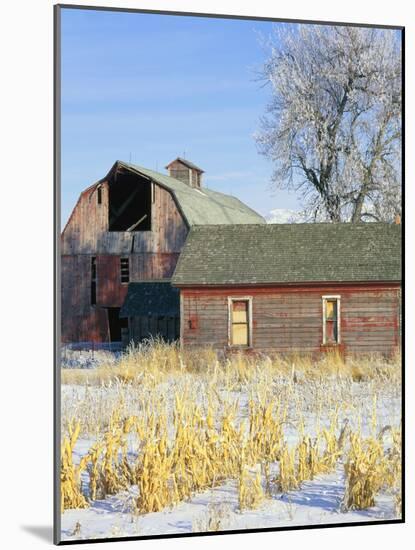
x: 288, y: 319
x: 370, y: 320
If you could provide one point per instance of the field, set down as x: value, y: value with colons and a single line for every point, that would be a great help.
x: 161, y: 440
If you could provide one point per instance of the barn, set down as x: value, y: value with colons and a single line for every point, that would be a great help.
x: 306, y: 288
x: 120, y: 247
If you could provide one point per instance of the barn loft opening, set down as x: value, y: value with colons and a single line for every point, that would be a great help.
x: 129, y: 203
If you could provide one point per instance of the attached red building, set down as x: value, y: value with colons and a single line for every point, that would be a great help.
x: 304, y: 288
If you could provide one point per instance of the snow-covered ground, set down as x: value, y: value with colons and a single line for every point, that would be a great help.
x: 75, y: 357
x: 317, y: 502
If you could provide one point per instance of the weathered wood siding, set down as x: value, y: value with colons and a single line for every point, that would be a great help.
x: 290, y: 319
x: 87, y: 229
x: 187, y: 175
x: 80, y: 321
x: 152, y: 254
x: 141, y: 328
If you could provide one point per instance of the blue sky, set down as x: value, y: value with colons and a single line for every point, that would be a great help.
x: 148, y: 88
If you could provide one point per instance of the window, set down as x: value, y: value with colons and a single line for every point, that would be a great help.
x: 93, y: 281
x: 331, y: 319
x: 99, y: 195
x: 125, y: 270
x: 240, y: 322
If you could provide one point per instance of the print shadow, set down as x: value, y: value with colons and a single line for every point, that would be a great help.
x: 42, y: 532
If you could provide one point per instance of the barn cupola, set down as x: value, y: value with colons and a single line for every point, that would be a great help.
x: 185, y: 171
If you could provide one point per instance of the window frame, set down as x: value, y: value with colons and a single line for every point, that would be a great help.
x: 231, y: 300
x: 125, y: 258
x: 324, y: 300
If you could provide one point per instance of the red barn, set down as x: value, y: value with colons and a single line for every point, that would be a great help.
x: 120, y: 247
x: 307, y: 288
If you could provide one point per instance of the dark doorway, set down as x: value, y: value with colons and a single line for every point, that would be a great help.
x: 129, y: 203
x: 166, y: 328
x: 153, y: 311
x: 115, y: 324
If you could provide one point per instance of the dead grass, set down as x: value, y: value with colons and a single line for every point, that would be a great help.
x: 156, y: 360
x: 176, y: 422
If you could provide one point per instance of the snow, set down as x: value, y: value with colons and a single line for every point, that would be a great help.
x: 75, y: 357
x: 317, y: 502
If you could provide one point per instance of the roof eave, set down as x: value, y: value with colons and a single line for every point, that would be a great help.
x: 393, y: 282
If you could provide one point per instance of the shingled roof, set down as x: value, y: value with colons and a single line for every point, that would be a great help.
x: 200, y: 206
x: 149, y: 298
x: 289, y: 254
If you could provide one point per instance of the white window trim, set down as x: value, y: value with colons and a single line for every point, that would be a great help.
x: 232, y: 299
x: 323, y: 302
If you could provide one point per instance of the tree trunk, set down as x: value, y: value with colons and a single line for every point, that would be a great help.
x: 358, y: 206
x: 360, y: 200
x: 332, y: 204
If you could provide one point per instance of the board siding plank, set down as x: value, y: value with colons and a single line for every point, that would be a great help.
x: 153, y: 255
x: 292, y: 321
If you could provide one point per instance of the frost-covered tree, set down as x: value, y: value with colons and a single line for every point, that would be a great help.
x: 333, y: 125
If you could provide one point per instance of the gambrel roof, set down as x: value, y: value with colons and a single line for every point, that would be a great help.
x: 200, y: 206
x: 290, y: 254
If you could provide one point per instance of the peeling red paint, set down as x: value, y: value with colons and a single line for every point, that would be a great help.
x: 288, y: 318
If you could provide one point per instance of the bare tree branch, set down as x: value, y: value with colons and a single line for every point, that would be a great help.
x: 333, y: 125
